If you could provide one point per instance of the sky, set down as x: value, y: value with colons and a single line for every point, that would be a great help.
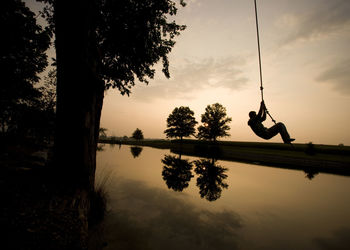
x: 305, y: 63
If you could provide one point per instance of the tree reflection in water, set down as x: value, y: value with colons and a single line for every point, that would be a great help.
x: 135, y: 151
x: 210, y: 179
x: 310, y: 173
x: 176, y: 172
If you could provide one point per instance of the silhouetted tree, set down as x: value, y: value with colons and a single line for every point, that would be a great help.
x: 101, y: 147
x: 102, y: 133
x: 211, y: 179
x: 22, y: 58
x: 310, y: 149
x: 215, y: 123
x: 181, y: 123
x: 48, y: 91
x: 135, y: 151
x: 111, y: 44
x: 176, y: 172
x: 137, y: 135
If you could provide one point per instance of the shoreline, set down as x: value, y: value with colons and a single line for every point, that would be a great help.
x: 307, y: 157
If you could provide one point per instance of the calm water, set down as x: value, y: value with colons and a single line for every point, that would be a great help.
x: 159, y: 201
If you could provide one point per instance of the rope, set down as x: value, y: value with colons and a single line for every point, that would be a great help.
x: 260, y: 69
x: 258, y: 40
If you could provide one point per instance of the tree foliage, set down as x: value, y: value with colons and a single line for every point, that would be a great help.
x: 102, y: 133
x: 137, y: 135
x: 133, y: 36
x: 181, y: 123
x: 22, y: 58
x: 112, y: 44
x: 214, y: 123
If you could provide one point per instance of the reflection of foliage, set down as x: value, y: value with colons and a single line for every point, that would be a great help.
x: 176, y: 172
x: 135, y: 151
x: 310, y: 173
x: 211, y: 179
x: 100, y: 147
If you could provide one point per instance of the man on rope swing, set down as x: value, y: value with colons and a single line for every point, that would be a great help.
x: 255, y: 122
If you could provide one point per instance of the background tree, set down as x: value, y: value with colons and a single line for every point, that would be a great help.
x: 137, y: 135
x: 111, y: 44
x: 181, y: 123
x: 215, y: 123
x: 102, y: 133
x: 22, y: 58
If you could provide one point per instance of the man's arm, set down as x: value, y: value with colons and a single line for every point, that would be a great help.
x: 262, y: 112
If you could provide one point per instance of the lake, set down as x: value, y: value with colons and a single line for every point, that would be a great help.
x: 160, y: 200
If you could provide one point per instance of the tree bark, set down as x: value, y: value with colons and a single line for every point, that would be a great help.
x: 79, y: 92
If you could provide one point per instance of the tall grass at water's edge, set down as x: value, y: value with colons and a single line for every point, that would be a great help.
x: 99, y: 198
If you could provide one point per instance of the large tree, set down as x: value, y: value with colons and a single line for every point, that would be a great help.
x: 181, y: 123
x: 214, y: 123
x: 102, y: 44
x: 22, y: 58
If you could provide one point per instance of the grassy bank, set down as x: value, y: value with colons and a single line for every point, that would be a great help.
x: 307, y: 157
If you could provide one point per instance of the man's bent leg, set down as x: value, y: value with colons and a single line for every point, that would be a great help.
x: 281, y: 129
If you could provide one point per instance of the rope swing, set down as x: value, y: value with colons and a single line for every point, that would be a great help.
x: 260, y: 68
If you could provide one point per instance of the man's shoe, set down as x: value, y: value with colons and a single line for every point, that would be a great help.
x: 288, y: 141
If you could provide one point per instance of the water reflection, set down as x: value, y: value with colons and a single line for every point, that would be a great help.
x: 100, y: 147
x: 210, y: 176
x: 310, y: 173
x: 263, y: 208
x: 210, y: 179
x: 135, y: 151
x: 146, y: 217
x: 176, y: 172
x: 339, y: 240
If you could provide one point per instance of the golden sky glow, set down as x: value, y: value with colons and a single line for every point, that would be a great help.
x: 305, y: 60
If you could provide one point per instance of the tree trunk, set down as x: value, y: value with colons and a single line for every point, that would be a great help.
x: 79, y: 92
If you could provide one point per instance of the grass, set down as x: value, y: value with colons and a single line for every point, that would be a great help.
x: 321, y: 158
x: 99, y: 197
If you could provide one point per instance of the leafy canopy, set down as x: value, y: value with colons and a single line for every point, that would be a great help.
x: 214, y: 123
x: 137, y: 135
x: 22, y: 58
x: 181, y: 123
x: 131, y: 37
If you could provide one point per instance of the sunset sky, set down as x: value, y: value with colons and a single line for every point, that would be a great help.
x: 305, y: 61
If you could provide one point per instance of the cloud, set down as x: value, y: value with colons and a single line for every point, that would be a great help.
x: 324, y: 18
x: 338, y: 75
x: 188, y: 77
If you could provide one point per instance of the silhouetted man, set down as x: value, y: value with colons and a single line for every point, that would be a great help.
x: 255, y: 122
